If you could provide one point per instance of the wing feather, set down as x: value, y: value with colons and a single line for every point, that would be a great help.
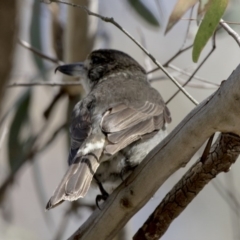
x: 125, y: 124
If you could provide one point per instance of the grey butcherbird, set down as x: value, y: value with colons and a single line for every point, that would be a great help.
x: 113, y: 128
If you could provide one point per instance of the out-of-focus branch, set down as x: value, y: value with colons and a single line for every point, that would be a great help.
x: 32, y: 151
x: 221, y: 156
x: 112, y: 21
x: 41, y: 83
x: 39, y: 53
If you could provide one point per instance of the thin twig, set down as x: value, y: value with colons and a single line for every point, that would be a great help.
x: 182, y: 81
x: 182, y: 71
x: 39, y: 53
x: 188, y: 28
x: 177, y: 54
x: 112, y: 21
x: 29, y: 156
x: 228, y: 22
x: 196, y: 70
x: 41, y: 83
x: 171, y: 59
x: 181, y: 50
x: 230, y: 31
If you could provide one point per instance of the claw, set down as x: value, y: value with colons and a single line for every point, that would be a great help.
x: 104, y: 194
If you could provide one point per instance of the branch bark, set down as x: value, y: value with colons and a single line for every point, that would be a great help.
x: 222, y: 155
x: 220, y: 112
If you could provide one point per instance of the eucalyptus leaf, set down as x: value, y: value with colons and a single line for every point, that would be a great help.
x: 209, y: 24
x: 35, y: 36
x: 17, y: 148
x: 202, y: 8
x: 144, y: 12
x: 181, y: 7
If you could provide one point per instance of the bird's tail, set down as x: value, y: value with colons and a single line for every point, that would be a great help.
x: 77, y: 180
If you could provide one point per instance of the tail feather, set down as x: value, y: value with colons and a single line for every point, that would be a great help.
x: 77, y: 180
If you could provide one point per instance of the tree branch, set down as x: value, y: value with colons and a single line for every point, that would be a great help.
x: 207, y: 118
x: 39, y: 53
x: 196, y: 70
x: 222, y: 155
x: 230, y: 31
x: 41, y: 83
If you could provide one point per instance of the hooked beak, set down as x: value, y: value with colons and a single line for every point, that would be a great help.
x: 74, y: 69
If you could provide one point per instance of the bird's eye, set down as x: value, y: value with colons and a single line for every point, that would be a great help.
x: 96, y: 60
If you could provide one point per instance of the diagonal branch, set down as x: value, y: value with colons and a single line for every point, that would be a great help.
x: 39, y: 53
x: 230, y: 31
x: 199, y: 66
x: 222, y: 155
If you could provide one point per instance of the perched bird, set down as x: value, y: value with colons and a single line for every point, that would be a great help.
x: 113, y: 128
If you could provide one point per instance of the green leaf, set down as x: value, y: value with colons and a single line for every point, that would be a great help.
x: 202, y: 8
x: 181, y: 7
x: 209, y: 24
x: 16, y: 148
x: 35, y: 36
x: 144, y: 12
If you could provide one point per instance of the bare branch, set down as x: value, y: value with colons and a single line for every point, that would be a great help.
x: 31, y: 152
x: 39, y: 53
x: 182, y: 71
x: 43, y: 84
x: 208, y: 117
x: 230, y: 31
x: 191, y: 84
x: 112, y: 21
x: 222, y: 155
x: 196, y: 70
x: 172, y: 58
x: 228, y: 22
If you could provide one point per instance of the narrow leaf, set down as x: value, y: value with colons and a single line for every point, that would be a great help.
x: 144, y: 12
x: 208, y: 26
x: 35, y: 36
x: 181, y: 7
x: 202, y: 8
x: 15, y: 146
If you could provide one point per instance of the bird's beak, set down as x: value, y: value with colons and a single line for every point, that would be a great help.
x: 74, y: 69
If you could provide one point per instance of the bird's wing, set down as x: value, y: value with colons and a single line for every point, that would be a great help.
x: 83, y: 159
x: 125, y: 124
x: 80, y: 129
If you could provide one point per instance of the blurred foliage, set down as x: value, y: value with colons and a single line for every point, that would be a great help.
x: 143, y: 11
x: 35, y: 36
x: 181, y: 7
x: 18, y: 147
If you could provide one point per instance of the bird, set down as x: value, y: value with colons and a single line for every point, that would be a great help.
x: 119, y: 121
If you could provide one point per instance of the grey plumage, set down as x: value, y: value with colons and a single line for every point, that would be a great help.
x: 114, y: 127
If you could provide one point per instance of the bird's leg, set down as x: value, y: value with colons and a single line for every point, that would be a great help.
x: 104, y: 195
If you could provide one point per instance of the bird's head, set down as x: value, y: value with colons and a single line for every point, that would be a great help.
x: 100, y: 64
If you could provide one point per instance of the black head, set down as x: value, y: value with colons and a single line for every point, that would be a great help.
x: 102, y: 63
